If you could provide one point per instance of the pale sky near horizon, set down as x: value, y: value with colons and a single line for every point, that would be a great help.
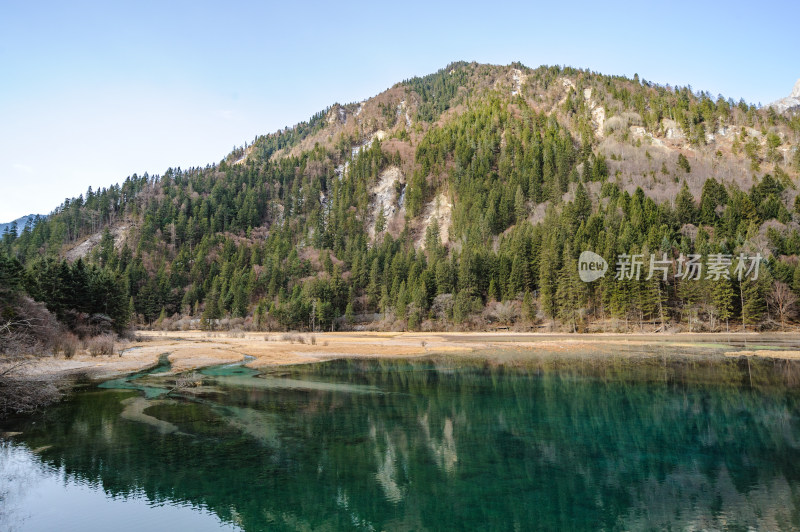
x: 91, y: 92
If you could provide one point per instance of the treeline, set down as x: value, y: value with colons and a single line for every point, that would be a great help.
x: 88, y: 300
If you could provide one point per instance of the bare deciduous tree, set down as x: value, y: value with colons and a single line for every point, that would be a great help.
x: 783, y: 301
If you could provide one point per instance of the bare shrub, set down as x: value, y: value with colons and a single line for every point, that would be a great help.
x: 101, y: 345
x: 506, y: 312
x: 442, y: 306
x: 31, y: 329
x: 186, y: 380
x: 178, y: 324
x: 613, y: 124
x: 232, y: 324
x: 68, y: 344
x: 313, y: 340
x: 236, y: 333
x: 24, y: 395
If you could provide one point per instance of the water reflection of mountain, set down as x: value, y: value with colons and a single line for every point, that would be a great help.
x: 620, y: 445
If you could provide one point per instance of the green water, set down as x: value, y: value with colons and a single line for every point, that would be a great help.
x: 436, y: 444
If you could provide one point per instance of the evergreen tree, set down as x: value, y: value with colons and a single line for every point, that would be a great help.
x: 752, y: 301
x: 722, y: 297
x: 520, y: 211
x: 683, y: 163
x: 211, y: 312
x: 583, y: 205
x: 380, y: 221
x: 571, y: 292
x: 684, y: 206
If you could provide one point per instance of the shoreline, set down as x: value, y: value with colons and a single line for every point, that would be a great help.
x: 190, y: 350
x: 44, y: 380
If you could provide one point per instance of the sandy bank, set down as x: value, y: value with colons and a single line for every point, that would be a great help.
x: 194, y: 349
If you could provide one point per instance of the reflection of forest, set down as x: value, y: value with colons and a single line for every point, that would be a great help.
x: 549, y: 443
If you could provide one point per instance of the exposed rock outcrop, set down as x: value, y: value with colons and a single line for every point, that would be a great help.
x: 791, y: 102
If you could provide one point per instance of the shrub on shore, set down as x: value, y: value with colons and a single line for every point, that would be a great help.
x: 101, y: 345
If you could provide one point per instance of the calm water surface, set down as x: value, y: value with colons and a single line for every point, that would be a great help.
x: 434, y: 444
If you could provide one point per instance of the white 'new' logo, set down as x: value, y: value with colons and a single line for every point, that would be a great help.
x: 591, y: 266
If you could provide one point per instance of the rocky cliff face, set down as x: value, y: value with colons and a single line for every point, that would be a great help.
x: 791, y: 102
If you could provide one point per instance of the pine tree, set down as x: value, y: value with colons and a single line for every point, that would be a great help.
x: 684, y: 206
x: 690, y: 293
x: 516, y: 279
x: 653, y: 298
x: 401, y: 304
x: 752, y: 301
x: 796, y: 277
x: 571, y: 293
x: 520, y: 211
x: 547, y: 290
x: 433, y: 243
x: 131, y: 312
x: 683, y: 163
x: 380, y: 221
x: 528, y: 307
x: 259, y: 317
x: 722, y: 299
x: 212, y: 311
x: 493, y: 293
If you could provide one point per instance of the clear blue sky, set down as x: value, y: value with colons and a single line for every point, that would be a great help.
x: 91, y: 92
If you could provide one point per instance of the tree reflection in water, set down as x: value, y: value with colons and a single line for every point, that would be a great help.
x: 478, y: 443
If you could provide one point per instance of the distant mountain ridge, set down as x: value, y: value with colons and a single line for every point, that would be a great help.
x: 21, y: 223
x: 459, y: 199
x: 790, y: 102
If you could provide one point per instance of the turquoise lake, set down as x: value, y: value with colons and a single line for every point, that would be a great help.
x: 436, y: 443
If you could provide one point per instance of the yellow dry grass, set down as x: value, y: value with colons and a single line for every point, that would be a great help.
x: 782, y: 354
x: 189, y: 350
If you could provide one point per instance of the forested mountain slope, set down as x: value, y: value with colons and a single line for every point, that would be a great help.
x: 458, y: 199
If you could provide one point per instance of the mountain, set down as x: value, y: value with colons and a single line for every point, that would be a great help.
x: 460, y: 199
x: 790, y: 103
x: 20, y: 223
